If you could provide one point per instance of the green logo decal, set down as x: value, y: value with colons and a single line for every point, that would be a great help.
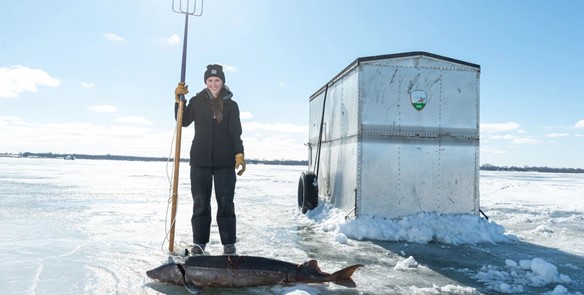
x: 419, y: 99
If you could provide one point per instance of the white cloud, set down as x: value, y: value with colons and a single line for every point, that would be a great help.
x: 136, y: 140
x: 82, y: 137
x: 245, y: 115
x: 134, y: 120
x: 556, y: 135
x: 498, y: 127
x: 275, y: 147
x: 173, y: 39
x: 113, y: 37
x: 103, y: 108
x: 279, y: 127
x: 15, y: 80
x: 275, y: 141
x: 230, y: 69
x: 509, y: 137
x: 491, y: 150
x: 87, y: 85
x: 6, y: 121
x: 579, y: 124
x: 525, y: 140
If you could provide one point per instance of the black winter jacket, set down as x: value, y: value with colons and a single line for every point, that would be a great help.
x: 215, y: 145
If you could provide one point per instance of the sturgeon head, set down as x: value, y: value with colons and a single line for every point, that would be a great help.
x: 168, y: 273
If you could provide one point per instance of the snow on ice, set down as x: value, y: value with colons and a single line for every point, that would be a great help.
x: 95, y: 227
x: 423, y: 227
x: 536, y: 273
x: 456, y: 229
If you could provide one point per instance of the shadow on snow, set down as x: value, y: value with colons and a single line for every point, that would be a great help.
x: 461, y: 262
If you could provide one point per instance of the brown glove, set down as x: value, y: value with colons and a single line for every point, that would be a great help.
x: 240, y: 161
x: 182, y: 88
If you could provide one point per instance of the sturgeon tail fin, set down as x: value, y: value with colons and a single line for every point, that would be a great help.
x: 343, y: 276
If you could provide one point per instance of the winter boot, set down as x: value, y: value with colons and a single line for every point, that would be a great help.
x: 229, y: 249
x: 198, y: 249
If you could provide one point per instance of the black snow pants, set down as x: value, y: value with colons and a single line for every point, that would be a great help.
x: 202, y: 179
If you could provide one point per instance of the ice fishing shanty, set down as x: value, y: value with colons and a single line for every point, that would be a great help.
x: 393, y: 135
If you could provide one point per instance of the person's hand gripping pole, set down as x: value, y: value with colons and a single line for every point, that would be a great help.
x: 181, y: 90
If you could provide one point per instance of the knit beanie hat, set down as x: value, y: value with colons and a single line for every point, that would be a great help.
x: 214, y: 71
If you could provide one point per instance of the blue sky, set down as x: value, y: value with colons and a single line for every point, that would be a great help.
x: 98, y: 76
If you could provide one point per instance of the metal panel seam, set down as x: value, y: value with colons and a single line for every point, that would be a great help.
x: 477, y: 148
x: 440, y: 138
x: 358, y: 188
x: 416, y: 135
x: 399, y: 151
x: 423, y: 67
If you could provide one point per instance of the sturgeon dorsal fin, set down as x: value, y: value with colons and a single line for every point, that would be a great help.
x: 343, y: 276
x: 312, y: 265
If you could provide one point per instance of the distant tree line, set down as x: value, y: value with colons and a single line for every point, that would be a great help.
x: 489, y: 167
x: 485, y: 167
x: 137, y: 158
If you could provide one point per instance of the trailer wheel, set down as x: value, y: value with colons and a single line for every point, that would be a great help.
x: 307, y: 191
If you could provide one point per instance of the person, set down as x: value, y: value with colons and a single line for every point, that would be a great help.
x: 216, y: 149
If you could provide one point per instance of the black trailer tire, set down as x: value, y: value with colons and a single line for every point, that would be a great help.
x: 307, y: 192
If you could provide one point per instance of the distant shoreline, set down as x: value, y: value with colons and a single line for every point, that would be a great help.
x: 489, y: 167
x: 484, y: 167
x: 136, y: 158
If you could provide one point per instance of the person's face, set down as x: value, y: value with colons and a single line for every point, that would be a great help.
x: 214, y: 84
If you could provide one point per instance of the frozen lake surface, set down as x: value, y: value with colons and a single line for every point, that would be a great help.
x: 96, y: 227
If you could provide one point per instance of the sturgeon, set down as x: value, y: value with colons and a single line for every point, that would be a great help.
x: 232, y: 271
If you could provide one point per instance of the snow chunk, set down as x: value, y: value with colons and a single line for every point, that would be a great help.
x: 544, y: 270
x: 506, y: 288
x: 342, y: 239
x: 525, y: 264
x: 422, y: 227
x: 511, y: 263
x: 561, y: 290
x: 543, y: 229
x: 435, y: 289
x: 535, y: 273
x: 296, y: 290
x: 406, y: 264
